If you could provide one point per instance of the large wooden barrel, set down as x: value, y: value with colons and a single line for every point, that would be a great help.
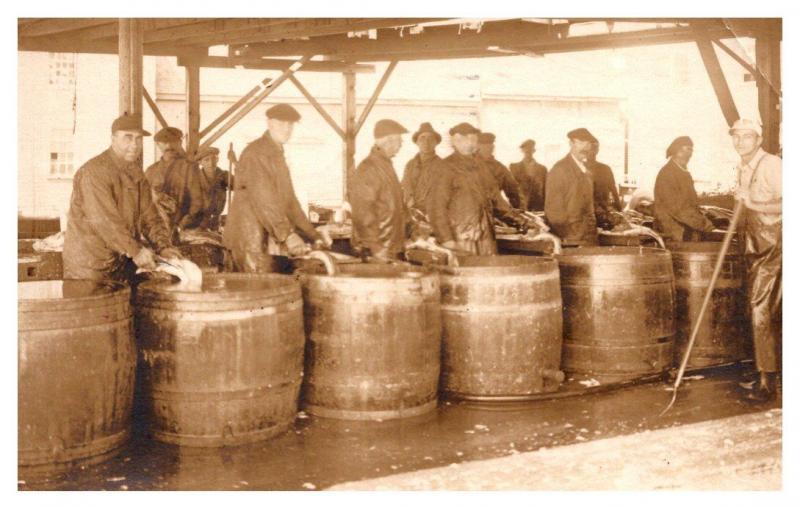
x: 619, y: 311
x: 501, y: 327
x: 221, y: 366
x: 76, y: 372
x: 724, y: 334
x: 374, y: 342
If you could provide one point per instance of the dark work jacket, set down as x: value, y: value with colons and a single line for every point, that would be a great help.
x: 110, y: 212
x: 379, y: 212
x: 505, y: 180
x: 264, y: 203
x: 569, y: 202
x: 177, y: 179
x: 531, y: 178
x: 676, y: 212
x: 606, y: 196
x: 215, y: 193
x: 417, y: 180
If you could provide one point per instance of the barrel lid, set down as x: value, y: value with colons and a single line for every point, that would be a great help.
x: 59, y: 290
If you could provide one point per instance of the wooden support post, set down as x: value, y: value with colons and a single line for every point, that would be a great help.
x: 717, y: 77
x: 192, y: 109
x: 255, y: 102
x: 378, y: 89
x: 317, y: 106
x: 154, y: 108
x: 130, y: 66
x: 349, y: 122
x: 236, y: 105
x: 768, y: 64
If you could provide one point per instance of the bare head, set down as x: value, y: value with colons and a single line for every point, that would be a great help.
x: 127, y: 145
x: 390, y: 144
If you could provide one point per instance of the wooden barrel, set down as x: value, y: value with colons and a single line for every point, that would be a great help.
x: 76, y: 372
x: 221, y: 366
x: 724, y: 334
x: 619, y: 311
x: 374, y: 342
x: 501, y: 327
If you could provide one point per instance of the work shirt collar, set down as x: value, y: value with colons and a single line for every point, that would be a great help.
x: 580, y: 164
x: 753, y: 164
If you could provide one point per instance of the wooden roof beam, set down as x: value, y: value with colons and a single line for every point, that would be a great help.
x: 52, y: 26
x: 276, y: 64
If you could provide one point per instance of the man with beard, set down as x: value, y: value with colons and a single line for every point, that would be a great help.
x: 677, y: 215
x: 174, y: 182
x: 505, y: 181
x: 380, y: 217
x: 114, y: 227
x: 760, y: 188
x: 531, y: 177
x: 569, y: 195
x: 265, y: 219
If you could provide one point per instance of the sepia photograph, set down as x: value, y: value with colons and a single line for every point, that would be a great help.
x: 403, y: 253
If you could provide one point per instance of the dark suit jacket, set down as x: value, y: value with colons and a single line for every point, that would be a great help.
x: 676, y: 212
x: 569, y: 202
x: 532, y: 181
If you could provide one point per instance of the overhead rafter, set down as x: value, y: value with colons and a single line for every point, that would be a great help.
x: 275, y: 64
x: 51, y: 26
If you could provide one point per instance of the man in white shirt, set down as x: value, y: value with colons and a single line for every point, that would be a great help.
x: 759, y: 187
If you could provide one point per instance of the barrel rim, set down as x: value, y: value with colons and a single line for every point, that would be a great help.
x: 685, y: 249
x: 149, y: 290
x: 609, y: 252
x: 54, y: 304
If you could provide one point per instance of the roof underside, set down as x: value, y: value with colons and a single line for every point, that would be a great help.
x: 345, y: 41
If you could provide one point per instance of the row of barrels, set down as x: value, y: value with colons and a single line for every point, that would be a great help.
x: 227, y: 365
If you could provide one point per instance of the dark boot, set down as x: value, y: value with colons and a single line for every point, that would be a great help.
x: 766, y: 390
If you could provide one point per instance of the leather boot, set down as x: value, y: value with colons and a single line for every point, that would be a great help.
x: 766, y: 390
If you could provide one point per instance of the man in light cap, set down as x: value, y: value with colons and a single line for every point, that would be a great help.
x: 380, y: 218
x: 465, y: 197
x: 265, y: 219
x: 677, y: 215
x: 174, y: 182
x: 501, y: 174
x: 113, y: 225
x: 569, y: 195
x: 418, y: 173
x: 760, y: 188
x: 531, y: 177
x: 213, y: 183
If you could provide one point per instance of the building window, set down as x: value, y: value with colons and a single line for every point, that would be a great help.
x: 61, y: 153
x: 62, y: 70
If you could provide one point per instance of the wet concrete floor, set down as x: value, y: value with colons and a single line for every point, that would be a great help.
x: 318, y: 453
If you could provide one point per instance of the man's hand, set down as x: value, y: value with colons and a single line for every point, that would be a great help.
x: 171, y: 253
x: 295, y: 245
x: 145, y: 259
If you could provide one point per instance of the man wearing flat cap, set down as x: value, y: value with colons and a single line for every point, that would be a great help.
x: 213, y: 183
x: 760, y: 188
x: 113, y: 226
x: 465, y: 197
x: 505, y: 181
x: 265, y: 218
x: 380, y: 218
x: 531, y: 177
x: 174, y: 182
x: 418, y: 173
x: 569, y: 195
x: 677, y: 215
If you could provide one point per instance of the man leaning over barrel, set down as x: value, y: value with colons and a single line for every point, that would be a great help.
x: 265, y: 217
x: 113, y: 225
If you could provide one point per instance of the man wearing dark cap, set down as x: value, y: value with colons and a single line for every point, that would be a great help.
x: 173, y: 179
x: 606, y: 195
x: 418, y: 173
x: 501, y: 174
x: 531, y: 177
x: 677, y: 216
x: 113, y: 225
x: 380, y: 218
x: 265, y: 219
x: 465, y: 197
x: 213, y: 183
x: 569, y: 201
